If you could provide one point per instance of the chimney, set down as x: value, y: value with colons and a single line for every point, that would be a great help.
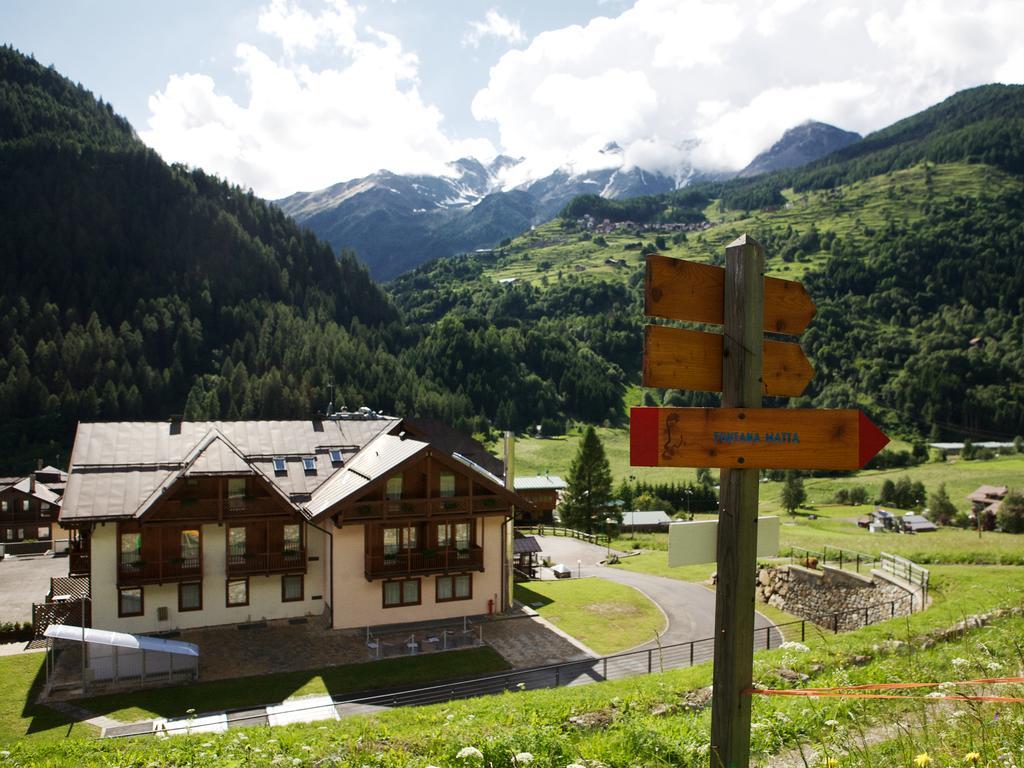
x: 39, y: 464
x: 510, y: 460
x: 32, y: 483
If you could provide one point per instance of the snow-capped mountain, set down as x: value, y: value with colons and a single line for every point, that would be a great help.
x: 395, y: 222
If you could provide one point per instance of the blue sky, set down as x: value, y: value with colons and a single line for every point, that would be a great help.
x: 283, y: 95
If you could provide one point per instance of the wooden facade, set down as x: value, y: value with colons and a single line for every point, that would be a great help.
x: 26, y: 517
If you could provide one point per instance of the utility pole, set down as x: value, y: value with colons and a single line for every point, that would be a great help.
x: 737, y: 515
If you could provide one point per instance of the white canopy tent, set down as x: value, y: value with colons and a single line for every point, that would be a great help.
x: 118, y: 656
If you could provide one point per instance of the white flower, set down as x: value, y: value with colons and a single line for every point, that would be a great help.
x: 936, y: 695
x: 959, y: 662
x: 575, y: 765
x: 831, y: 723
x: 790, y: 645
x: 994, y: 666
x: 467, y: 752
x: 523, y: 758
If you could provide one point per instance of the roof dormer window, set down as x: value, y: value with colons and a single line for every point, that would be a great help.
x: 309, y: 464
x: 279, y: 466
x: 335, y: 455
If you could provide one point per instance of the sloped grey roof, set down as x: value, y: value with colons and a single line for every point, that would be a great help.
x: 118, y: 468
x: 540, y: 483
x: 524, y: 545
x: 380, y: 456
x: 645, y: 517
x: 216, y: 456
x: 41, y: 492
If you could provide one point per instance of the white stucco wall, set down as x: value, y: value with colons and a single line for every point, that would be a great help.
x: 358, y: 602
x: 264, y: 591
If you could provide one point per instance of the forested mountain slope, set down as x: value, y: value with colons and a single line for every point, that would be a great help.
x: 916, y: 263
x: 134, y: 289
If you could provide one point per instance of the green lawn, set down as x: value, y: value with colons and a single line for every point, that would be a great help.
x: 655, y: 562
x: 639, y: 721
x: 269, y: 689
x: 21, y: 675
x: 605, y: 616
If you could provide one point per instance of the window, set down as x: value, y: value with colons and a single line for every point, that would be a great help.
x: 309, y: 464
x: 447, y: 484
x: 236, y: 540
x: 398, y: 593
x: 462, y: 535
x: 21, y: 534
x: 394, y: 488
x: 396, y: 539
x: 190, y: 547
x: 236, y: 487
x: 129, y: 602
x: 131, y: 550
x: 190, y: 596
x: 279, y: 466
x: 238, y: 592
x: 335, y: 455
x: 10, y: 534
x: 4, y: 506
x: 444, y: 535
x: 454, y: 587
x: 291, y: 588
x: 44, y: 533
x: 292, y: 540
x: 26, y: 505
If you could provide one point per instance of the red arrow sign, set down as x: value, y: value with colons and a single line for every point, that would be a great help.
x: 752, y: 438
x: 679, y: 359
x: 694, y: 292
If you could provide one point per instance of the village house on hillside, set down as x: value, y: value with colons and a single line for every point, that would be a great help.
x: 986, y: 501
x: 29, y: 507
x: 542, y: 493
x: 365, y: 520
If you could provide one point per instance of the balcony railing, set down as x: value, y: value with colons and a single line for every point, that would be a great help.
x: 145, y: 572
x: 78, y: 563
x: 420, y: 508
x: 380, y: 566
x: 288, y: 561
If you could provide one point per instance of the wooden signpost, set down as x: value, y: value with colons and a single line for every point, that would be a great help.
x: 752, y: 438
x: 681, y: 359
x: 740, y: 437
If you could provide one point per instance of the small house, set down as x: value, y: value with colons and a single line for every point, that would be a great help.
x: 543, y: 493
x: 645, y: 521
x: 917, y: 524
x: 986, y: 501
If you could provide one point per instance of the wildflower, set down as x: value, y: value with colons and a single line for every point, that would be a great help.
x: 791, y: 645
x: 831, y: 762
x: 994, y: 666
x: 575, y: 765
x: 523, y: 758
x: 936, y: 695
x: 831, y: 724
x: 467, y: 752
x: 972, y: 757
x: 5, y: 753
x: 959, y: 662
x: 922, y: 760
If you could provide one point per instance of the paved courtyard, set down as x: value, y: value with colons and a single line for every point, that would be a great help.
x: 24, y: 581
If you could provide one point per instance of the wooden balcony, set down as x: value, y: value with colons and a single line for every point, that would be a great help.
x: 412, y: 563
x: 254, y: 563
x: 410, y: 509
x: 78, y: 563
x: 136, y: 572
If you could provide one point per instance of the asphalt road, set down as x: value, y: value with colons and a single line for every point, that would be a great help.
x: 690, y: 608
x: 24, y: 581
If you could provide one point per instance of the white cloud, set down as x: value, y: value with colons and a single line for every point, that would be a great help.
x: 737, y: 74
x: 305, y: 128
x: 659, y: 74
x: 493, y: 25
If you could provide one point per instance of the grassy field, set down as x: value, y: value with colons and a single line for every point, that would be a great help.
x: 605, y: 616
x: 642, y: 721
x: 547, y: 253
x: 20, y: 673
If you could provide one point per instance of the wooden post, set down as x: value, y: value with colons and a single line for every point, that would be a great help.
x: 737, y: 515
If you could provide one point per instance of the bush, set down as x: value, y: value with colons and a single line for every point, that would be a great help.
x: 15, y: 632
x: 1011, y: 513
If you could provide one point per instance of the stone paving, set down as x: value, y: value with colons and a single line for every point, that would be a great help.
x: 530, y: 641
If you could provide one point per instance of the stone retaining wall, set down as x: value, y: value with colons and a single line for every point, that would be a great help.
x: 834, y: 598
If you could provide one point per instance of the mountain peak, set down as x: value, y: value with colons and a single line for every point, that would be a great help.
x: 799, y: 145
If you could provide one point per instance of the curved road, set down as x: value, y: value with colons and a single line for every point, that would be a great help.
x: 690, y: 608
